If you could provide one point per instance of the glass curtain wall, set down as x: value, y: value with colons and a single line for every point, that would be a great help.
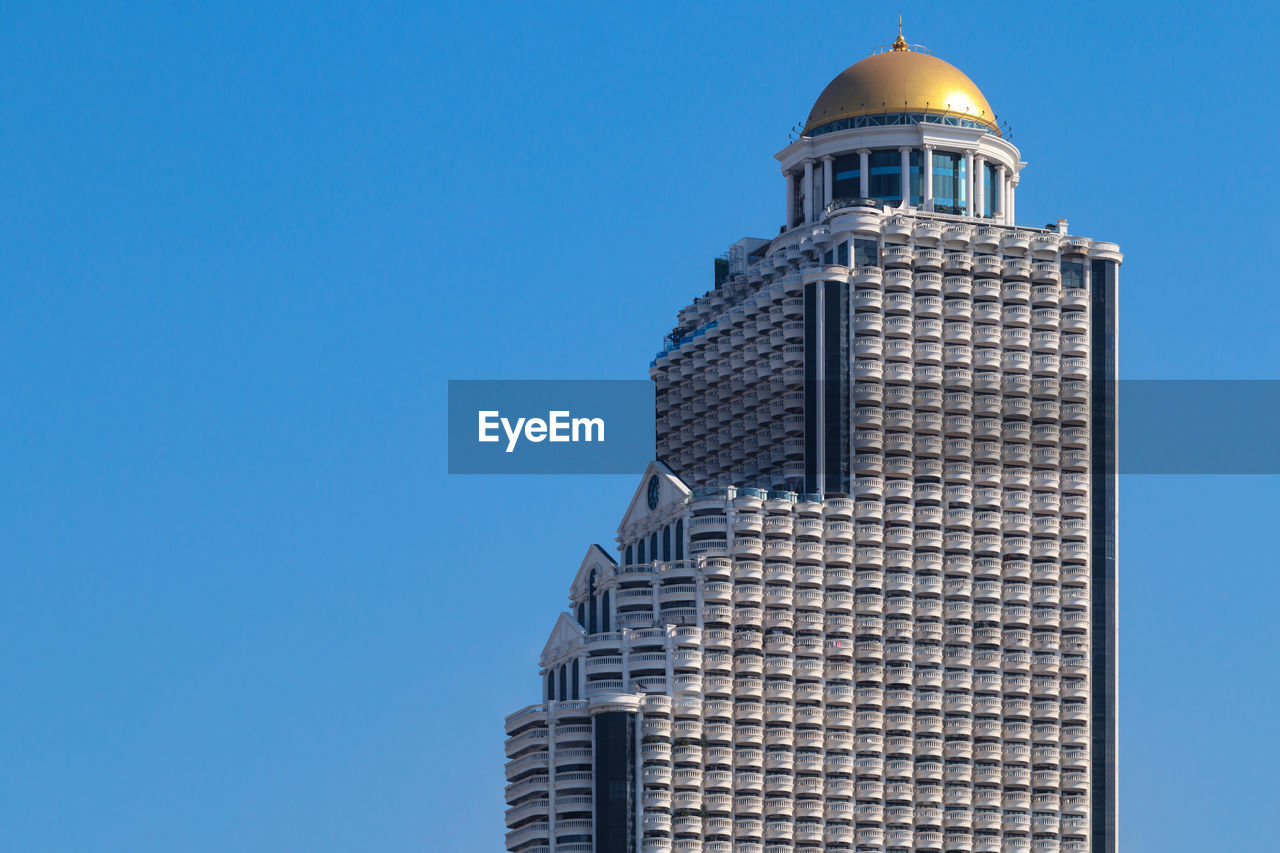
x: 847, y: 177
x: 949, y: 195
x: 884, y: 181
x: 886, y: 176
x: 989, y: 174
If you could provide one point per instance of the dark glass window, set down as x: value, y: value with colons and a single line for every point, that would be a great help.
x: 829, y: 257
x: 630, y: 555
x: 989, y: 173
x: 564, y: 683
x: 866, y: 252
x: 797, y: 201
x: 836, y: 409
x: 575, y: 679
x: 848, y: 180
x: 615, y: 782
x: 916, y: 177
x: 604, y: 612
x: 812, y: 354
x: 640, y: 551
x: 595, y: 605
x: 886, y: 176
x: 842, y: 254
x: 666, y: 542
x: 582, y: 614
x: 653, y: 545
x: 680, y: 539
x: 591, y: 591
x: 551, y: 685
x: 1073, y: 275
x: 948, y: 182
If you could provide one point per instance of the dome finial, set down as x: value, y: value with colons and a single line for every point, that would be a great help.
x: 900, y: 44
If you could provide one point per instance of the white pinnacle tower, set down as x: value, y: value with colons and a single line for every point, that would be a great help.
x: 866, y: 599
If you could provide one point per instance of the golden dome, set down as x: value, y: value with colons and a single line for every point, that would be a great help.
x: 897, y: 81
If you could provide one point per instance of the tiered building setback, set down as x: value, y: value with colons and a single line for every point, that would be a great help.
x: 865, y: 601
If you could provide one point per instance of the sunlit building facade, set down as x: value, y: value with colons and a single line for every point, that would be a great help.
x: 865, y: 601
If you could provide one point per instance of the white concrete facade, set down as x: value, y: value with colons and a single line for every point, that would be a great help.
x: 730, y: 383
x: 910, y: 661
x: 903, y: 669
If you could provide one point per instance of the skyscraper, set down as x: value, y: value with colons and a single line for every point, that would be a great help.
x: 865, y: 598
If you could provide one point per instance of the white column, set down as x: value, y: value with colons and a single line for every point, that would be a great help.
x: 668, y: 646
x: 828, y: 176
x: 968, y: 183
x: 905, y: 179
x: 700, y: 601
x: 1013, y: 198
x: 808, y: 191
x: 791, y: 200
x: 551, y: 774
x: 626, y: 659
x: 864, y: 172
x: 1002, y: 193
x: 926, y: 163
x: 979, y: 177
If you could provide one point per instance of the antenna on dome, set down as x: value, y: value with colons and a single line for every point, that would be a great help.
x: 900, y: 44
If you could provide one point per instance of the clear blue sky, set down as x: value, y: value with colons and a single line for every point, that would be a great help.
x: 242, y: 248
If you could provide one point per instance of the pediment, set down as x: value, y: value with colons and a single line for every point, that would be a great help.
x: 566, y: 637
x: 671, y: 495
x: 596, y: 558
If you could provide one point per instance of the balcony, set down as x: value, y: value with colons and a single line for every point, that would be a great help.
x: 897, y: 303
x: 867, y: 276
x: 530, y: 832
x: 897, y: 256
x: 987, y: 266
x: 865, y: 299
x: 778, y: 549
x: 670, y: 593
x: 1046, y: 271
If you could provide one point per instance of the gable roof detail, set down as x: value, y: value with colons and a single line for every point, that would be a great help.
x: 596, y: 558
x: 566, y: 638
x: 672, y: 493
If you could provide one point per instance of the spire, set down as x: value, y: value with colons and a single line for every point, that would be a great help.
x: 900, y: 44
